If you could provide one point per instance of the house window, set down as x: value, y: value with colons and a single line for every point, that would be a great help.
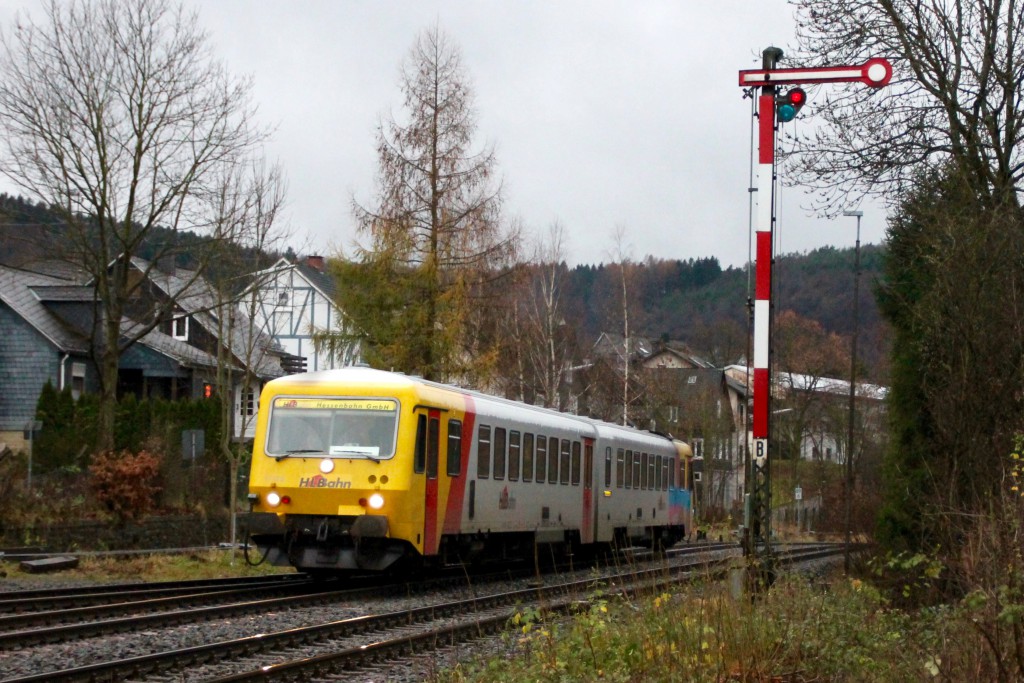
x: 247, y: 405
x: 698, y: 448
x: 282, y: 297
x: 77, y: 380
x: 179, y: 327
x: 692, y: 379
x: 673, y: 413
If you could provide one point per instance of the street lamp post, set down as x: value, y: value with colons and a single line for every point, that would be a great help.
x: 848, y: 488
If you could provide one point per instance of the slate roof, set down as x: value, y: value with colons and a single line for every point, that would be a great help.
x: 53, y: 306
x: 66, y: 293
x: 682, y: 352
x: 322, y: 281
x: 175, y: 349
x: 196, y: 297
x: 610, y: 344
x: 826, y: 385
x: 17, y: 291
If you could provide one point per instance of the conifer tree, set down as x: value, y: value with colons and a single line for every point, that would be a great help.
x: 416, y: 292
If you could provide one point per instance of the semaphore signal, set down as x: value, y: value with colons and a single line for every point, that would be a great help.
x: 784, y: 106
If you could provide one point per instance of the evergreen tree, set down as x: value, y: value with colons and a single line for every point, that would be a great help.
x: 435, y: 232
x: 954, y: 272
x: 57, y: 444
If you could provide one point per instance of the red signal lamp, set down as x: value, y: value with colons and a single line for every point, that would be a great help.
x: 788, y: 104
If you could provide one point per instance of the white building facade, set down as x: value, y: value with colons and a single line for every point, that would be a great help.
x: 294, y: 301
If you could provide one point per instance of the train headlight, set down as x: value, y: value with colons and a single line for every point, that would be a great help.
x: 326, y: 465
x: 273, y: 499
x: 376, y: 501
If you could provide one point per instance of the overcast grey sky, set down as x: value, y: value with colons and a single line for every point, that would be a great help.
x: 603, y: 112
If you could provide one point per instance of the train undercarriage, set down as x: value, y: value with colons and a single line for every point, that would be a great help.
x: 337, y: 544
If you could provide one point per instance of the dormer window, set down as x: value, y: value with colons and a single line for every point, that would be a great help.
x: 282, y: 297
x: 179, y: 327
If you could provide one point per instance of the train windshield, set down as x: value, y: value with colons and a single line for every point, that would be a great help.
x: 333, y: 427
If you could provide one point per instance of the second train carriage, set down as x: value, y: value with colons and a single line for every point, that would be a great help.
x: 360, y: 469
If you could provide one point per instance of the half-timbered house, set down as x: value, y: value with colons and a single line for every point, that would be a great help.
x: 292, y: 302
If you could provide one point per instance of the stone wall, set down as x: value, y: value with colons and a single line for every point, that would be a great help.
x: 178, y: 531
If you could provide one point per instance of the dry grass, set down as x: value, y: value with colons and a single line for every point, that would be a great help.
x: 209, y: 564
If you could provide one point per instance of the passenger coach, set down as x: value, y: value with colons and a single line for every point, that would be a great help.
x: 364, y: 469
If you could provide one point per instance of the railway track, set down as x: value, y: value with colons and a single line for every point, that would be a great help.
x: 37, y: 600
x: 341, y: 645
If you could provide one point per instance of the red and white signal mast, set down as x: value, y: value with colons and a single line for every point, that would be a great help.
x: 785, y: 105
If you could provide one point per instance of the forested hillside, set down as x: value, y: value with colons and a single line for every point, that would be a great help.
x: 694, y: 301
x: 700, y: 303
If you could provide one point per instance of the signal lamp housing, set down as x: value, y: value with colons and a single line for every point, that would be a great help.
x: 789, y: 103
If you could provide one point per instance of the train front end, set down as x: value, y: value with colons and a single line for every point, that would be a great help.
x: 328, y: 488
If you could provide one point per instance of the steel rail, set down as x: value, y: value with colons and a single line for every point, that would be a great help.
x: 16, y: 602
x: 246, y: 647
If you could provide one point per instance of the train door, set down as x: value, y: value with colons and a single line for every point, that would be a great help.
x: 589, y: 501
x: 428, y: 436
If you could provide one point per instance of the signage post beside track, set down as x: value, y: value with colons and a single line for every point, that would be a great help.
x: 874, y: 73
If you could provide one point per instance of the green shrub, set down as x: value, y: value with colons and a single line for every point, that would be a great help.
x: 57, y: 444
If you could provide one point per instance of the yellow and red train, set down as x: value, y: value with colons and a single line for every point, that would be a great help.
x: 364, y: 469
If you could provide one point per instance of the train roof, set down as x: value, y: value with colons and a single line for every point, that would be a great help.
x: 486, y: 404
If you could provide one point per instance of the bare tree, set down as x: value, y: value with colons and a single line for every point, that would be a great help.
x: 114, y: 114
x: 435, y: 230
x: 246, y: 217
x: 626, y: 268
x: 541, y: 341
x: 954, y: 95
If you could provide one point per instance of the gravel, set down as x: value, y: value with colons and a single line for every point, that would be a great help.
x: 52, y: 657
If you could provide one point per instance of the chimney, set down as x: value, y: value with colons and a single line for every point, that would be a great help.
x: 316, y: 263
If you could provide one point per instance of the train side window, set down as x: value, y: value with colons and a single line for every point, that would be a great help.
x: 628, y: 480
x: 552, y: 460
x: 671, y: 473
x: 664, y: 474
x: 513, y: 455
x: 433, y: 446
x: 542, y: 459
x: 419, y: 459
x: 636, y: 469
x: 564, y: 461
x: 659, y: 473
x: 575, y: 463
x: 527, y: 457
x: 620, y: 467
x: 651, y: 472
x: 643, y: 471
x: 608, y: 467
x: 483, y: 452
x: 454, y: 448
x: 499, y: 453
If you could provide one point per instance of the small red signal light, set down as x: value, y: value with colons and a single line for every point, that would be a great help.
x: 788, y: 104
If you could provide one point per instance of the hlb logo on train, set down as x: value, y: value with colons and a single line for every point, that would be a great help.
x: 322, y: 482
